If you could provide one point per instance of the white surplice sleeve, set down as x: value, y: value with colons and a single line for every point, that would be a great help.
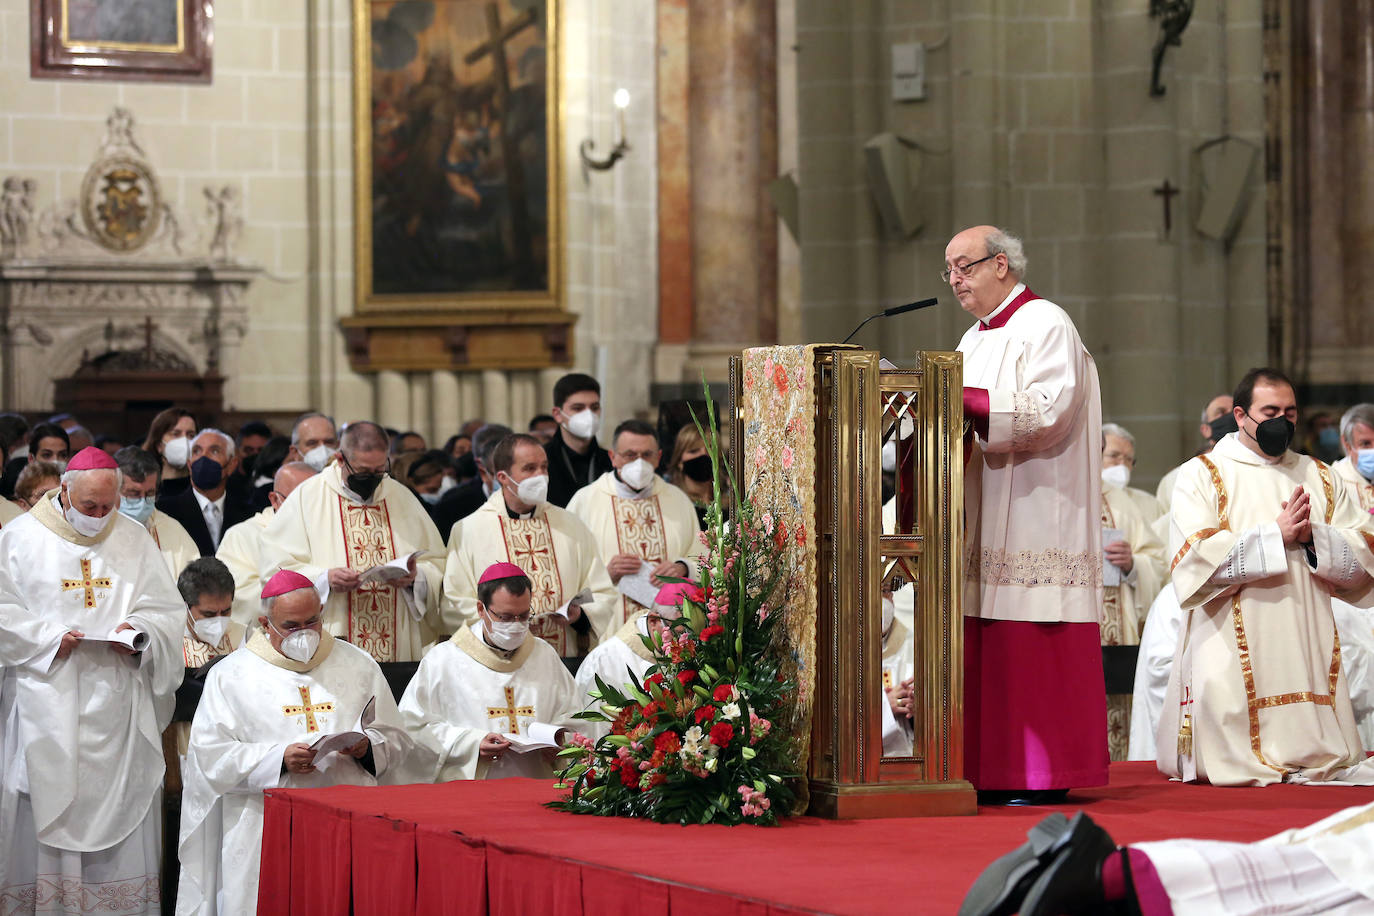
x: 442, y: 749
x: 1052, y: 389
x: 1258, y: 554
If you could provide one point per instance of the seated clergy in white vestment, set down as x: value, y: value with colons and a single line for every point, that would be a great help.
x: 573, y: 599
x: 638, y: 517
x: 292, y: 708
x: 479, y: 697
x: 241, y: 547
x: 625, y: 654
x: 1262, y: 539
x: 899, y: 671
x: 342, y: 524
x: 90, y: 647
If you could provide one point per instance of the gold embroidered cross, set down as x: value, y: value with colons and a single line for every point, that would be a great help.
x: 87, y: 583
x: 527, y: 556
x: 308, y: 710
x: 511, y: 711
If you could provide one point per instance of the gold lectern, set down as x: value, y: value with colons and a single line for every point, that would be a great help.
x: 844, y: 409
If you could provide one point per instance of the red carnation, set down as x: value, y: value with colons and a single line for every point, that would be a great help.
x: 667, y: 743
x: 724, y: 693
x: 686, y: 677
x: 705, y: 714
x: 655, y: 678
x: 649, y: 711
x: 721, y: 733
x: 695, y: 593
x: 710, y: 631
x: 629, y: 776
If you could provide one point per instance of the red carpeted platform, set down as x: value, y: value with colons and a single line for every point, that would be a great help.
x: 490, y: 847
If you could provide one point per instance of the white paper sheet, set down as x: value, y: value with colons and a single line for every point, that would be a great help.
x: 542, y: 736
x: 1111, y: 574
x: 339, y: 742
x: 638, y: 587
x: 582, y: 598
x: 134, y: 639
x: 398, y: 568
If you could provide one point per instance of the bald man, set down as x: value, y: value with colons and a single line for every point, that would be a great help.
x: 239, y: 549
x: 1035, y: 706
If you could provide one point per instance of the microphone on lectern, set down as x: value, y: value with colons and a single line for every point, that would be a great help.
x: 888, y: 313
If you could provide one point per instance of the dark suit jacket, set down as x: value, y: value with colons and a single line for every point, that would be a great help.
x: 568, y: 472
x: 458, y: 503
x: 185, y: 509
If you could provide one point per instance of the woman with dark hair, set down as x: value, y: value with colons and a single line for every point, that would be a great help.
x: 690, y: 468
x: 169, y: 437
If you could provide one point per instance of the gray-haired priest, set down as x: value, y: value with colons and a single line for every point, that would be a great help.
x: 1034, y: 508
x: 292, y: 708
x: 90, y: 649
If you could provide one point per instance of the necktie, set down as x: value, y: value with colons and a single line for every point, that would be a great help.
x: 212, y: 521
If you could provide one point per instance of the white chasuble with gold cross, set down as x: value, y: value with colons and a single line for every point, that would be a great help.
x: 553, y: 548
x: 465, y: 690
x: 660, y: 525
x: 257, y: 702
x: 1257, y: 694
x: 95, y: 711
x: 323, y: 525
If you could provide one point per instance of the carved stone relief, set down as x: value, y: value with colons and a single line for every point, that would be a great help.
x: 81, y: 280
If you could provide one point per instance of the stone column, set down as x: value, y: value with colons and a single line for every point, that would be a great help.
x: 393, y: 399
x: 421, y: 420
x: 443, y: 387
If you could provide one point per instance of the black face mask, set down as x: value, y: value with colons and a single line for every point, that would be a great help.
x: 206, y: 473
x: 246, y: 465
x: 1273, y: 435
x: 365, y: 484
x: 1222, y: 426
x: 698, y: 468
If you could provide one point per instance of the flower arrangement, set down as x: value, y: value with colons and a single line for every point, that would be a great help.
x: 694, y: 742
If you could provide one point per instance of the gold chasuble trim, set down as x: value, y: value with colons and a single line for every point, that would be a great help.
x: 487, y: 657
x: 1223, y: 514
x: 629, y: 634
x: 1255, y: 703
x: 530, y: 545
x: 54, y: 521
x: 368, y: 541
x: 639, y: 531
x: 1328, y: 489
x: 261, y: 646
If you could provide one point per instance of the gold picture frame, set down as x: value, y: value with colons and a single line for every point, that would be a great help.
x: 443, y: 224
x: 128, y: 40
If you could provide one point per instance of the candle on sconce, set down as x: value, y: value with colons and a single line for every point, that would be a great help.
x: 621, y: 99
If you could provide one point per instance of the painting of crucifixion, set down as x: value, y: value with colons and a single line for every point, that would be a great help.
x: 456, y: 195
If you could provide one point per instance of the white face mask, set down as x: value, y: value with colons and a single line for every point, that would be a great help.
x: 638, y: 474
x: 507, y: 635
x: 318, y: 457
x: 1118, y: 475
x: 448, y: 483
x: 584, y: 425
x: 890, y: 456
x: 431, y: 499
x: 177, y: 452
x: 211, y: 630
x: 87, y: 525
x: 889, y: 611
x: 300, y: 645
x: 533, y: 491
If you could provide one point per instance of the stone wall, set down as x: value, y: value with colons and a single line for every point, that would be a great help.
x: 1038, y: 118
x: 277, y: 123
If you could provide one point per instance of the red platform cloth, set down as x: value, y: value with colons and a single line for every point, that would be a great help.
x: 1035, y: 710
x: 491, y: 847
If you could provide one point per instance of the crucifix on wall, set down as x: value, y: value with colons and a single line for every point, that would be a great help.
x: 1166, y: 192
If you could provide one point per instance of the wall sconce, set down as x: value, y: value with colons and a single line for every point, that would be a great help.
x: 621, y: 100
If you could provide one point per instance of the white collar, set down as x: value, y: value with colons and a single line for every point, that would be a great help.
x: 622, y: 489
x: 206, y: 502
x: 1231, y: 447
x: 1016, y: 290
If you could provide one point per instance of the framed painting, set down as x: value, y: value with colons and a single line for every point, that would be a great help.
x: 457, y: 179
x: 148, y: 40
